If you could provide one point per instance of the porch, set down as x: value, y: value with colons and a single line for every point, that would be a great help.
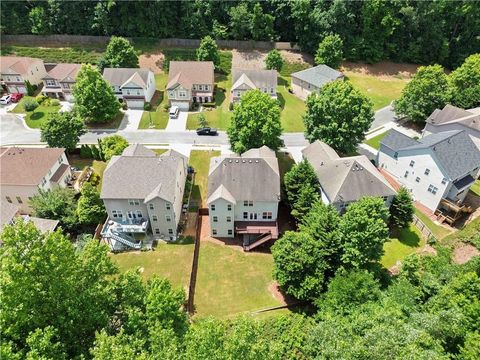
x: 256, y: 233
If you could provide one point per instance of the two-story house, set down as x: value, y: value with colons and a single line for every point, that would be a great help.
x: 135, y: 87
x: 438, y: 169
x: 189, y: 82
x: 59, y: 81
x: 16, y: 71
x: 10, y: 212
x: 251, y: 79
x: 311, y: 80
x: 23, y: 171
x: 346, y: 180
x: 454, y: 118
x: 243, y: 196
x: 143, y: 193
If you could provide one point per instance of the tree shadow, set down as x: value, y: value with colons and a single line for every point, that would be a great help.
x: 406, y: 236
x: 219, y: 97
x: 283, y: 82
x: 37, y: 115
x: 281, y: 100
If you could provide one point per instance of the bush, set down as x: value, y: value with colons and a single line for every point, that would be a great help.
x: 86, y: 152
x: 209, y: 105
x: 124, y: 106
x: 94, y: 179
x: 30, y: 105
x: 147, y: 106
x: 30, y: 88
x: 96, y: 154
x: 166, y: 107
x: 40, y: 98
x: 54, y: 102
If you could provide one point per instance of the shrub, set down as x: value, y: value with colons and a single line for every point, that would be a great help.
x: 30, y: 105
x: 124, y: 106
x: 54, y: 102
x: 95, y: 152
x: 94, y: 179
x: 40, y: 98
x: 30, y: 88
x: 147, y: 106
x: 86, y: 152
x: 166, y: 107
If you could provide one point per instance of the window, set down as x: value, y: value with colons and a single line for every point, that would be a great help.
x: 8, y: 199
x: 167, y: 206
x: 229, y: 207
x: 214, y: 231
x: 139, y: 214
x: 427, y: 171
x: 395, y: 156
x: 50, y: 82
x: 151, y: 206
x: 170, y: 231
x: 247, y: 203
x: 18, y: 78
x: 133, y: 202
x: 157, y: 231
x: 182, y: 94
x: 212, y: 207
x: 168, y: 218
x: 267, y: 215
x: 60, y: 160
x: 406, y: 174
x: 230, y: 232
x: 417, y: 179
x: 117, y: 214
x: 412, y: 163
x: 385, y: 198
x: 432, y: 189
x: 229, y: 219
x: 245, y: 215
x: 271, y: 90
x: 444, y: 181
x: 154, y: 218
x: 215, y: 219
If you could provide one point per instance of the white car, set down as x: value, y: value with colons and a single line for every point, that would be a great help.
x: 174, y: 112
x: 5, y: 100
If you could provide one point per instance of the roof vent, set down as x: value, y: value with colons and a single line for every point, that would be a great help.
x: 250, y: 161
x: 236, y: 161
x: 256, y: 161
x: 244, y: 161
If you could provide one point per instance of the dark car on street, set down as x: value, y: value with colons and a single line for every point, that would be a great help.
x: 207, y: 131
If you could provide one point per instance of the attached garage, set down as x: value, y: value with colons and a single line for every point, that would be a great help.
x: 17, y: 89
x: 135, y: 103
x: 182, y: 105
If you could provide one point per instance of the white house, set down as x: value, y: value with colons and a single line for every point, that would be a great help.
x: 135, y: 87
x: 438, y: 169
x: 243, y: 196
x: 15, y: 71
x: 346, y: 180
x: 251, y: 79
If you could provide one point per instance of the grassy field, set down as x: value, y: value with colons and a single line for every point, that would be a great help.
x: 157, y: 117
x: 35, y: 119
x: 476, y: 188
x: 375, y: 141
x: 112, y: 124
x: 84, y: 54
x: 380, y: 91
x: 404, y: 243
x: 231, y: 282
x: 200, y: 161
x: 292, y: 107
x: 438, y: 231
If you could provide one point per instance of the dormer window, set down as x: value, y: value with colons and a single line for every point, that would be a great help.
x: 427, y: 171
x: 412, y: 163
x: 444, y: 181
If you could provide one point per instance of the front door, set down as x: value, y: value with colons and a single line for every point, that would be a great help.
x: 131, y: 215
x: 253, y: 216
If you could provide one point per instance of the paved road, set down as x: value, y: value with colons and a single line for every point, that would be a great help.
x: 382, y: 117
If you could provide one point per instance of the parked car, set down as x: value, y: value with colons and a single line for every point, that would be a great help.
x: 5, y: 100
x: 16, y: 97
x: 207, y: 131
x: 174, y: 112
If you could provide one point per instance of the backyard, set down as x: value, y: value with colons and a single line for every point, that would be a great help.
x: 81, y: 163
x: 438, y: 230
x: 402, y: 243
x: 157, y: 117
x: 200, y: 161
x: 476, y: 188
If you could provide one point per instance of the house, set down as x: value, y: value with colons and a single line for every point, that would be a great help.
x: 189, y: 82
x: 243, y: 196
x: 135, y: 87
x: 143, y: 193
x: 438, y: 169
x: 244, y: 80
x: 454, y: 118
x: 15, y: 71
x: 310, y: 80
x: 10, y: 212
x: 346, y: 180
x: 23, y: 171
x: 58, y: 82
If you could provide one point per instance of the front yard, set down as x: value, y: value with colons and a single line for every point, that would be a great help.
x: 34, y: 119
x: 375, y: 141
x: 157, y: 117
x: 200, y: 161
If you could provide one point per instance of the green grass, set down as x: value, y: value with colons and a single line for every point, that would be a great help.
x: 112, y: 124
x: 157, y: 117
x: 159, y: 151
x: 200, y: 161
x: 375, y: 141
x: 34, y: 119
x: 476, y: 188
x: 83, y: 54
x: 292, y: 107
x: 171, y: 261
x: 401, y: 244
x: 468, y: 234
x: 289, y: 68
x: 380, y: 91
x: 438, y: 231
x: 81, y: 163
x: 230, y: 281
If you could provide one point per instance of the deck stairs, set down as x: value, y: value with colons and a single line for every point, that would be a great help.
x: 125, y: 240
x: 258, y: 241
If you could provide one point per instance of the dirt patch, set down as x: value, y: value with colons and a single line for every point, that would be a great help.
x: 384, y: 70
x: 395, y: 269
x: 153, y: 62
x: 297, y: 57
x: 254, y: 59
x: 427, y: 250
x: 190, y: 228
x: 464, y: 253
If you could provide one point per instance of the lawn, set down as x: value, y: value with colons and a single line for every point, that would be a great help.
x: 34, y: 119
x: 380, y: 91
x: 157, y: 117
x: 375, y: 141
x: 179, y: 54
x: 476, y: 188
x: 438, y: 231
x: 230, y: 281
x: 172, y: 261
x: 200, y: 161
x: 83, y: 54
x: 292, y: 107
x: 404, y: 243
x: 112, y: 124
x: 81, y: 163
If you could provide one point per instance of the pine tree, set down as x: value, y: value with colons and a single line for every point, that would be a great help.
x: 401, y: 210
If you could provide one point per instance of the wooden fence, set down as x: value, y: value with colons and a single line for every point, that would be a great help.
x: 425, y: 231
x: 193, y: 273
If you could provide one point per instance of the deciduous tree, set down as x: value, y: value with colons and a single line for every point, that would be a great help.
x: 62, y: 130
x: 56, y: 204
x: 208, y: 51
x: 120, y: 54
x: 330, y: 51
x: 90, y: 208
x: 112, y: 145
x: 274, y: 60
x: 465, y: 83
x: 262, y: 24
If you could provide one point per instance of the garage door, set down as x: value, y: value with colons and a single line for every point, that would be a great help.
x: 17, y: 89
x: 182, y: 105
x: 135, y: 104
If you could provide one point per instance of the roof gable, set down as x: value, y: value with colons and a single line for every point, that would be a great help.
x: 318, y: 75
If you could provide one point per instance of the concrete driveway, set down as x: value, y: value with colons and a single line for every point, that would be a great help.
x: 6, y: 108
x: 383, y: 117
x: 179, y: 123
x: 131, y: 119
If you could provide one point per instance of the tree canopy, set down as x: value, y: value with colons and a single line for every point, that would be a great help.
x: 208, y: 51
x: 330, y: 51
x: 274, y: 60
x: 62, y: 130
x: 465, y: 83
x: 401, y: 210
x: 338, y: 115
x: 112, y: 145
x: 255, y: 122
x: 90, y: 208
x: 120, y: 54
x: 56, y: 204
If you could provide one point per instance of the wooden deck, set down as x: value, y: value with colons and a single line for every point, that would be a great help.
x: 257, y: 227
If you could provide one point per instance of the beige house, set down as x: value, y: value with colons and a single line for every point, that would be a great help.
x: 143, y: 193
x: 9, y: 212
x: 251, y: 79
x: 243, y: 196
x: 23, y: 171
x: 189, y: 82
x: 310, y: 80
x: 348, y: 179
x: 15, y: 71
x: 59, y: 81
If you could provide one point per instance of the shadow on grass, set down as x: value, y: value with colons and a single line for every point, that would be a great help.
x: 195, y: 198
x: 219, y: 97
x: 183, y: 240
x: 282, y: 81
x: 407, y: 237
x: 281, y: 100
x: 37, y: 115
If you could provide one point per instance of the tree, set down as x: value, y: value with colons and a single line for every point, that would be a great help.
x: 62, y: 130
x: 39, y: 20
x: 299, y: 265
x: 427, y: 91
x: 90, y: 208
x: 52, y: 295
x: 202, y: 121
x: 95, y: 101
x: 30, y: 104
x: 240, y: 21
x: 338, y: 115
x: 255, y: 122
x: 120, y: 54
x: 262, y: 24
x: 112, y: 145
x: 465, y: 83
x: 401, y: 210
x: 471, y: 348
x: 208, y: 51
x: 56, y: 204
x: 205, y: 340
x: 363, y: 230
x: 274, y: 60
x: 307, y: 196
x: 330, y: 51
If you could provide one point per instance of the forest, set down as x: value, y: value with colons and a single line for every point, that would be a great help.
x: 423, y: 32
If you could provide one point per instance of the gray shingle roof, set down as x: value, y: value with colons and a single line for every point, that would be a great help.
x: 259, y: 78
x: 395, y: 140
x: 454, y: 115
x: 245, y: 177
x: 119, y: 76
x: 318, y: 75
x: 141, y: 176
